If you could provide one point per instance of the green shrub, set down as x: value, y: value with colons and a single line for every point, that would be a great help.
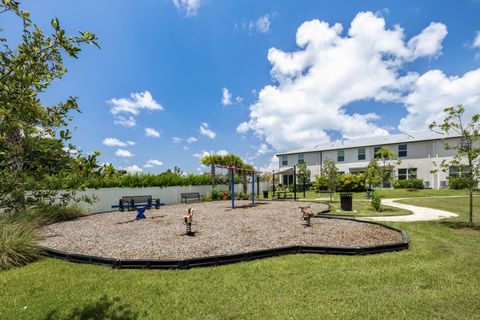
x: 409, y: 184
x: 216, y: 194
x: 320, y: 183
x: 54, y: 214
x: 457, y: 182
x: 376, y: 201
x: 18, y: 244
x: 352, y: 182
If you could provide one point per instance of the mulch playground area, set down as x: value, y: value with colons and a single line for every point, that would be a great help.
x: 218, y: 230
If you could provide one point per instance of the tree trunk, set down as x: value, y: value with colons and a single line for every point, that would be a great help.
x: 244, y: 182
x: 14, y: 141
x: 213, y: 175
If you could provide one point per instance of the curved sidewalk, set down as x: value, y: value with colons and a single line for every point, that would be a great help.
x: 418, y: 213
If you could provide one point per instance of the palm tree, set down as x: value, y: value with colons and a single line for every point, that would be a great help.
x: 211, y: 160
x: 231, y: 160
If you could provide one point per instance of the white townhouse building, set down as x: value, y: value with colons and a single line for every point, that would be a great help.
x: 419, y: 152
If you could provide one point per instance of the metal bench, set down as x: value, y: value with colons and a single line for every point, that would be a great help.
x: 130, y: 202
x: 194, y: 196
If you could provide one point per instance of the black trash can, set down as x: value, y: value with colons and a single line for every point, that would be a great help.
x: 346, y: 201
x: 265, y: 194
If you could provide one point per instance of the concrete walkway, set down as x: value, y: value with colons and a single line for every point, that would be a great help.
x: 418, y: 213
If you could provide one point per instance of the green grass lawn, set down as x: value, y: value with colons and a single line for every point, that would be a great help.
x: 363, y: 208
x: 385, y: 193
x: 437, y: 278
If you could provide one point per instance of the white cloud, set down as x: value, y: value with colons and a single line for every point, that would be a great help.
x: 226, y: 97
x: 114, y: 142
x: 131, y: 143
x: 153, y: 163
x: 134, y: 104
x: 271, y: 165
x: 476, y: 42
x: 204, y: 130
x: 70, y: 151
x: 191, y: 139
x: 152, y: 133
x: 263, y: 24
x: 263, y: 149
x: 434, y: 91
x: 313, y: 85
x: 428, y: 42
x: 122, y: 121
x: 190, y: 7
x: 124, y: 153
x: 133, y: 169
x: 177, y: 140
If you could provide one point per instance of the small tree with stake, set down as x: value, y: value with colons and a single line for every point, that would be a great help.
x: 330, y: 171
x: 302, y: 175
x: 468, y: 151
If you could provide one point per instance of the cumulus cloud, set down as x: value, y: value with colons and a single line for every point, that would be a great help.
x: 331, y: 69
x: 189, y: 7
x: 114, y: 142
x: 434, y: 91
x: 263, y: 24
x: 191, y: 139
x: 124, y: 153
x: 226, y: 97
x: 133, y: 169
x: 153, y: 163
x: 134, y: 104
x: 204, y: 130
x: 177, y: 140
x: 476, y: 41
x: 152, y: 133
x: 125, y: 122
x: 263, y: 149
x: 138, y: 101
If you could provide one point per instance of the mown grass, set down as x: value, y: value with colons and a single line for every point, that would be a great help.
x: 385, y: 193
x: 437, y: 278
x: 361, y: 208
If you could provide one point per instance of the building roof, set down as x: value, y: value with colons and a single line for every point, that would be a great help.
x: 375, y: 141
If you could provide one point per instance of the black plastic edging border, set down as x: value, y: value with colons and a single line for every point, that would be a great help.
x: 231, y: 258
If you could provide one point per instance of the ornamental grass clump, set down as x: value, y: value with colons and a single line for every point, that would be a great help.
x: 18, y: 242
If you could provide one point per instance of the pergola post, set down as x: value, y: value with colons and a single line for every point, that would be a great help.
x: 233, y: 187
x: 295, y: 183
x: 253, y: 189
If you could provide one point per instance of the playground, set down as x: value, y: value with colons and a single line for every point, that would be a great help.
x: 217, y: 230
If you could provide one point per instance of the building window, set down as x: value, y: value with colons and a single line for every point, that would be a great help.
x: 340, y: 155
x: 301, y: 158
x: 284, y: 160
x: 361, y: 154
x: 404, y: 174
x: 458, y: 171
x: 402, y: 150
x: 375, y: 150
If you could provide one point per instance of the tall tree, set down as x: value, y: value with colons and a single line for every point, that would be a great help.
x: 467, y: 147
x: 231, y: 160
x: 33, y: 136
x: 211, y: 160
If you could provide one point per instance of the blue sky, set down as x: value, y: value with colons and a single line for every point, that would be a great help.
x: 176, y: 79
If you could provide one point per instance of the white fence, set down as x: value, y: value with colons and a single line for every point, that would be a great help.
x: 106, y: 197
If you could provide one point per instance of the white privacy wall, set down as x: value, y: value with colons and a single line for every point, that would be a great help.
x: 106, y: 197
